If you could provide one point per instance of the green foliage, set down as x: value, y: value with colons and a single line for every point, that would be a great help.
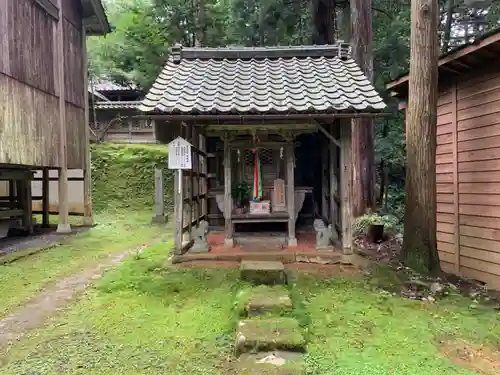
x: 241, y: 192
x: 123, y: 176
x: 362, y: 223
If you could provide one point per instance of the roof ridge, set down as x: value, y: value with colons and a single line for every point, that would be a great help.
x: 339, y: 49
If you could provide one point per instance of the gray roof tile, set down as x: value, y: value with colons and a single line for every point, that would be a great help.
x: 117, y: 105
x: 234, y: 82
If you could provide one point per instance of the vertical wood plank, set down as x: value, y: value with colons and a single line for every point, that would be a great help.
x: 290, y: 187
x: 228, y: 200
x: 87, y: 176
x: 178, y: 211
x: 346, y: 184
x: 204, y: 204
x: 456, y: 204
x: 63, y: 207
x: 332, y: 166
x: 45, y: 197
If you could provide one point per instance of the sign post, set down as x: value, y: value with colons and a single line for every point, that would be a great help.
x: 179, y: 159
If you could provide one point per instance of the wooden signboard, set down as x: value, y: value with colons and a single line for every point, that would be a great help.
x: 179, y: 154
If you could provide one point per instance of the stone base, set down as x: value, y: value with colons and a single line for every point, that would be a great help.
x: 228, y: 243
x: 159, y: 219
x: 269, y: 273
x: 324, y: 248
x: 292, y: 242
x: 271, y: 363
x: 196, y: 248
x: 63, y: 228
x: 88, y: 221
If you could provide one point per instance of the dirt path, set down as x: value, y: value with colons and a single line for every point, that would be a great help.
x: 49, y: 301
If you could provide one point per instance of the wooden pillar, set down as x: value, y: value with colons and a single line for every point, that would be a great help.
x: 159, y: 217
x: 324, y: 177
x: 25, y: 195
x: 178, y: 211
x: 346, y: 184
x: 334, y: 186
x: 228, y: 200
x: 190, y: 182
x: 87, y: 179
x: 45, y: 197
x: 63, y: 206
x: 290, y: 192
x: 12, y: 193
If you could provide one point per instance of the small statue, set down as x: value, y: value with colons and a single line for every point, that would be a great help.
x: 323, y: 234
x: 200, y: 236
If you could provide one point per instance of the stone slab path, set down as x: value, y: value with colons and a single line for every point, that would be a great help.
x: 269, y: 340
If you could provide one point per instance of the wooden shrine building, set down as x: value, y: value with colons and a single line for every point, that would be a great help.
x: 44, y: 96
x: 270, y: 126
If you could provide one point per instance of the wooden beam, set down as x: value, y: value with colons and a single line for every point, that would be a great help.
x: 228, y: 200
x: 189, y: 130
x: 49, y: 8
x: 346, y: 185
x: 45, y: 197
x: 63, y: 206
x: 290, y: 196
x: 16, y: 174
x: 328, y: 135
x: 87, y: 177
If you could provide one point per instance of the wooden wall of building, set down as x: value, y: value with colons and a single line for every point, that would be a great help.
x: 468, y: 177
x: 29, y: 120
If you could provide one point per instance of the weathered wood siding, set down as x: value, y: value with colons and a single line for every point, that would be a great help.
x: 468, y: 177
x: 29, y: 114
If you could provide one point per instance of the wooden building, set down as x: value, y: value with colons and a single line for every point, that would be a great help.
x: 468, y: 158
x: 113, y: 115
x: 44, y: 105
x: 275, y: 117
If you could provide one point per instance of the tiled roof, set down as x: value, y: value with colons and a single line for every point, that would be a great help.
x: 117, y: 105
x: 262, y: 80
x: 104, y: 85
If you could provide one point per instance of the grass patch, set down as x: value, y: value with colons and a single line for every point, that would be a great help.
x: 25, y: 277
x: 357, y: 330
x: 140, y: 318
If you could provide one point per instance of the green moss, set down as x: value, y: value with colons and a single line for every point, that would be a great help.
x: 123, y: 176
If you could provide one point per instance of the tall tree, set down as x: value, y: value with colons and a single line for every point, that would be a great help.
x: 420, y: 202
x: 363, y: 129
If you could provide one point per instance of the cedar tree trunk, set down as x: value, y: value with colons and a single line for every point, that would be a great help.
x: 419, y: 249
x: 363, y: 129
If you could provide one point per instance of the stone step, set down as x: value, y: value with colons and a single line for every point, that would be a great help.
x: 271, y: 363
x: 259, y: 272
x: 255, y: 335
x: 264, y: 299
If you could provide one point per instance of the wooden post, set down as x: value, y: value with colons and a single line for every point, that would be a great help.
x: 346, y: 184
x: 63, y: 207
x: 334, y: 186
x: 87, y: 179
x: 178, y: 211
x: 12, y: 193
x: 324, y: 177
x: 204, y: 180
x: 159, y: 217
x: 290, y: 187
x: 190, y: 184
x: 45, y: 197
x: 228, y: 200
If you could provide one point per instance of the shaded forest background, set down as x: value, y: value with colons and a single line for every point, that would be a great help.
x: 144, y: 31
